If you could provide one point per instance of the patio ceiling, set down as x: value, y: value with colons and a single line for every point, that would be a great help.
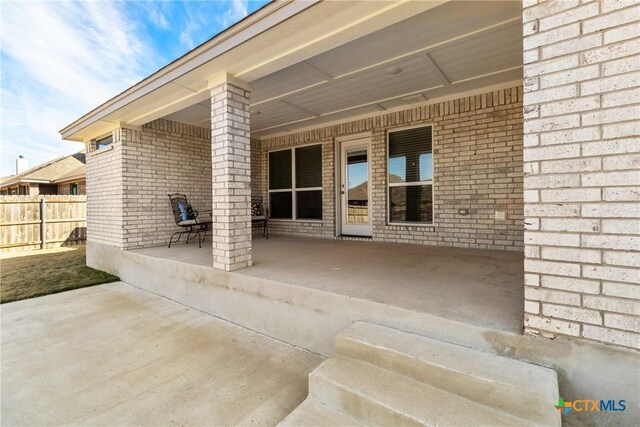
x: 447, y: 50
x: 329, y: 61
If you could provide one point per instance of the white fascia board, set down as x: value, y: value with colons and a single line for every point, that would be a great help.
x: 269, y: 16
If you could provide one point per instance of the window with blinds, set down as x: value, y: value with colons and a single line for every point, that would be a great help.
x: 295, y: 183
x: 410, y: 177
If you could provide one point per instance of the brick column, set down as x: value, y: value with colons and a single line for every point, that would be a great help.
x: 231, y: 176
x: 582, y: 170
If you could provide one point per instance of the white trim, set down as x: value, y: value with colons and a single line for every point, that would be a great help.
x: 353, y: 136
x: 100, y: 150
x: 222, y: 78
x: 395, y: 97
x: 319, y: 221
x: 486, y: 89
x: 412, y: 224
x: 254, y: 24
x: 293, y: 189
x: 305, y: 144
x: 410, y: 184
x: 417, y: 53
x: 76, y: 179
x: 363, y: 230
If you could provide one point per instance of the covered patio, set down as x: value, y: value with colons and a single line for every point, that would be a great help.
x: 397, y: 130
x: 480, y: 287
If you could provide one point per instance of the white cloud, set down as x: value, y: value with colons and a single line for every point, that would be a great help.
x: 198, y: 23
x: 191, y: 27
x: 61, y: 59
x: 158, y: 19
x: 237, y: 11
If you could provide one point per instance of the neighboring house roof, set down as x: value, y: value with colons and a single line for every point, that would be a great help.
x: 57, y: 170
x: 75, y: 174
x: 359, y: 192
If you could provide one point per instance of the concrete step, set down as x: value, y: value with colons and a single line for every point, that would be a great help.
x: 313, y: 413
x: 522, y: 389
x: 376, y: 396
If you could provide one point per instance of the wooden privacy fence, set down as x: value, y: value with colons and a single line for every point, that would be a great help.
x: 40, y: 222
x: 358, y: 214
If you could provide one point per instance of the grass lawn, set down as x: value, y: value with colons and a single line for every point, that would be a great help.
x: 32, y: 274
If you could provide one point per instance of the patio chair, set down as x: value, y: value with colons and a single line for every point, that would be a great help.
x: 187, y: 218
x: 260, y: 215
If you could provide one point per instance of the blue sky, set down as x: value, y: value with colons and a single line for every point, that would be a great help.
x: 61, y: 59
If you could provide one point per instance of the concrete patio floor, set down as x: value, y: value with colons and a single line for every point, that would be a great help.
x: 117, y: 355
x: 481, y: 287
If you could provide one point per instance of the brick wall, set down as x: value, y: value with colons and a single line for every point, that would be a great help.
x: 582, y: 166
x: 65, y: 188
x: 477, y: 143
x: 324, y: 228
x: 104, y: 195
x: 231, y: 160
x: 163, y: 157
x: 34, y: 189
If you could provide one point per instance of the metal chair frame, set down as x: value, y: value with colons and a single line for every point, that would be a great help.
x: 264, y: 222
x: 191, y: 226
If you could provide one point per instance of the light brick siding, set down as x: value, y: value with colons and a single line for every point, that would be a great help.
x: 34, y: 189
x: 65, y: 188
x: 231, y: 160
x: 324, y: 228
x: 582, y: 167
x: 164, y: 157
x: 477, y: 144
x: 128, y: 203
x: 104, y: 195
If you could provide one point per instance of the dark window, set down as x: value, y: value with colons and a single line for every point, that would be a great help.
x: 281, y: 205
x: 411, y: 175
x: 73, y: 189
x: 280, y: 170
x: 48, y: 189
x: 309, y: 204
x: 309, y: 166
x: 295, y: 183
x: 104, y: 142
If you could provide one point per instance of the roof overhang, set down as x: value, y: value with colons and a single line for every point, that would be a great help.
x: 272, y: 38
x: 75, y: 178
x: 19, y: 181
x: 310, y: 63
x: 264, y: 18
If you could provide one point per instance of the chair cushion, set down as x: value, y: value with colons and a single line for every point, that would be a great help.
x: 188, y: 222
x: 257, y: 209
x: 183, y: 211
x: 258, y: 217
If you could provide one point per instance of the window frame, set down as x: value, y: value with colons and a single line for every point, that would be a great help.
x: 73, y: 186
x: 293, y: 189
x: 411, y: 184
x: 104, y: 146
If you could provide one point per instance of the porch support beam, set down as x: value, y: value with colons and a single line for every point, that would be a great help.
x: 231, y: 175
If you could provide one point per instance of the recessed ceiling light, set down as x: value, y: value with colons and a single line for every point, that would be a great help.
x: 394, y: 70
